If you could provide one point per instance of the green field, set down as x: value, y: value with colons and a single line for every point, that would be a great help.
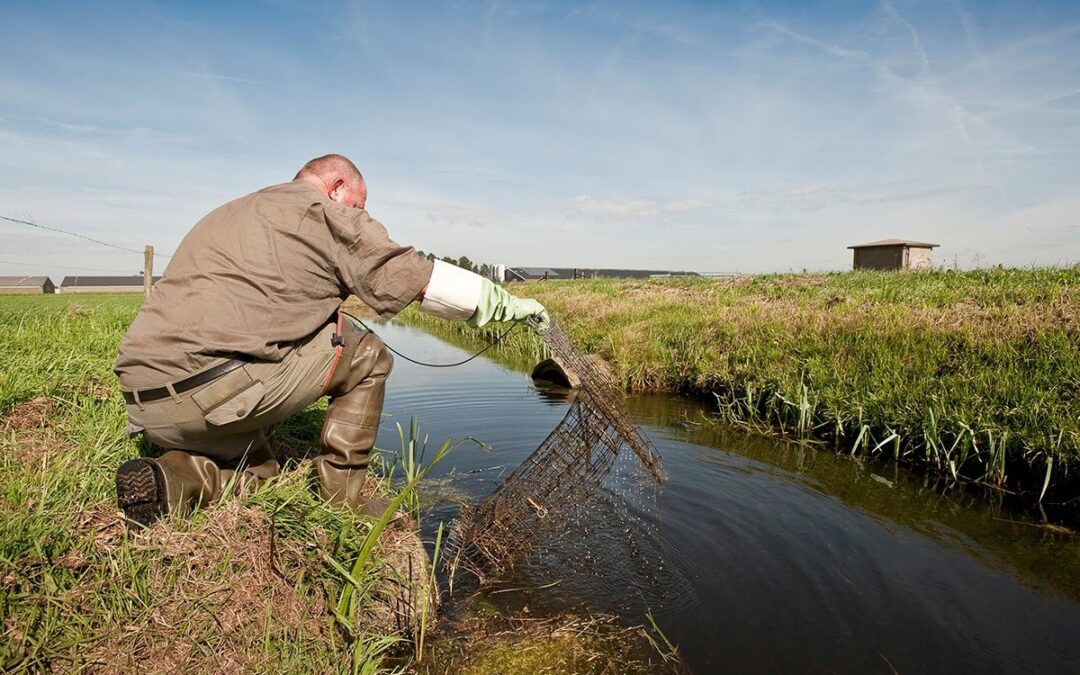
x: 975, y: 375
x: 273, y: 582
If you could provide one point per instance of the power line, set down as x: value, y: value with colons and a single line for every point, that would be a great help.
x: 80, y: 236
x: 73, y: 234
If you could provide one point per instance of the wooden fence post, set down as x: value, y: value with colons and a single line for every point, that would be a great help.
x: 148, y: 270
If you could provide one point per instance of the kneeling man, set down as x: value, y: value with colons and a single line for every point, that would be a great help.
x: 244, y: 330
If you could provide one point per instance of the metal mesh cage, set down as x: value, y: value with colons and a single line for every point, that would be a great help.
x: 559, y: 475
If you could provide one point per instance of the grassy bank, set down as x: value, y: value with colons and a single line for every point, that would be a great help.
x: 975, y: 375
x: 274, y: 581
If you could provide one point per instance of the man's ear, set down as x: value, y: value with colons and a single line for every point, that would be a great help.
x: 336, y: 188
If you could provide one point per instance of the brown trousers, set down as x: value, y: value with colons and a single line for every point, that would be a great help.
x: 219, y: 431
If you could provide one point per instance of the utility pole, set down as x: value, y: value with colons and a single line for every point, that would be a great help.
x: 148, y: 270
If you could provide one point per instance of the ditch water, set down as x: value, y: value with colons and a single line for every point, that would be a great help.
x: 755, y: 556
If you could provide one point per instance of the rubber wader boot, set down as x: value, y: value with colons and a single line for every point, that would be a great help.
x: 178, y: 482
x: 356, y: 388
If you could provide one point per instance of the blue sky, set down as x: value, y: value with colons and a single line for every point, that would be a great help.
x: 714, y: 137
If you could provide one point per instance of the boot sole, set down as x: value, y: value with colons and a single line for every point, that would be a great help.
x: 140, y: 491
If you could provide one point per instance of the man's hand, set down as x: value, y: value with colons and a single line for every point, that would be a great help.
x: 457, y: 294
x: 525, y: 307
x: 498, y: 304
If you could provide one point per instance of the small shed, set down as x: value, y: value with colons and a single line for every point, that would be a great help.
x: 894, y: 254
x: 80, y: 284
x: 26, y: 285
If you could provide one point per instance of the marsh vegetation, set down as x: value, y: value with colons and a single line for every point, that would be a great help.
x: 973, y: 375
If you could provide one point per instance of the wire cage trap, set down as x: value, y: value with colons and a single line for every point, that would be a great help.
x: 558, y: 476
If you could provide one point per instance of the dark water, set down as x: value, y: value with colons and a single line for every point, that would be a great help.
x: 757, y: 556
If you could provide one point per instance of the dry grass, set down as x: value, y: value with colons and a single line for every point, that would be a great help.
x: 229, y: 585
x: 237, y: 584
x: 29, y: 415
x: 31, y: 436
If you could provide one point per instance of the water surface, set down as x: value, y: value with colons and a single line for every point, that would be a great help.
x: 756, y: 556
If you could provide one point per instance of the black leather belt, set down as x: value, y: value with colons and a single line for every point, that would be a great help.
x: 186, y: 384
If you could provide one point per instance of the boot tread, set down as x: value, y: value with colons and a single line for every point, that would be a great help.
x: 140, y: 491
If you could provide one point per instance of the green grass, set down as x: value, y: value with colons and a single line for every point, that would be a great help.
x: 273, y: 581
x: 975, y: 375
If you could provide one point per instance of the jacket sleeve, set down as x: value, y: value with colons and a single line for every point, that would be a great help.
x: 384, y: 274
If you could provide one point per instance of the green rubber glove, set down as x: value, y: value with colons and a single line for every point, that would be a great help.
x: 497, y: 304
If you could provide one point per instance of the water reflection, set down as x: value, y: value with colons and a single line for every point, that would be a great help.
x: 554, y: 395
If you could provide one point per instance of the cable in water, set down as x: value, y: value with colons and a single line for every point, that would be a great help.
x: 496, y: 341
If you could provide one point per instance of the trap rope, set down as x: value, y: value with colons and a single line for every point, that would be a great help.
x: 498, y: 338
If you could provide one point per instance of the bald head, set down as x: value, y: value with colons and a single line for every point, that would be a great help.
x: 336, y: 177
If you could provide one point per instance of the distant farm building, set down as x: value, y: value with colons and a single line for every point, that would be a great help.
x: 894, y: 254
x: 538, y: 273
x: 529, y: 273
x: 132, y: 284
x: 26, y: 285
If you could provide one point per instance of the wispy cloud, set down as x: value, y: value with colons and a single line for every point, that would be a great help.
x: 219, y: 78
x: 830, y: 48
x: 615, y: 207
x: 136, y: 134
x: 806, y: 198
x: 813, y: 198
x: 916, y: 41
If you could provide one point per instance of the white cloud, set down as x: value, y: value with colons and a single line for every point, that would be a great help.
x: 222, y: 78
x: 811, y: 198
x: 805, y: 198
x: 614, y: 207
x: 689, y: 204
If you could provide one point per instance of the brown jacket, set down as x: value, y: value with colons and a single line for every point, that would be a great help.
x: 259, y: 274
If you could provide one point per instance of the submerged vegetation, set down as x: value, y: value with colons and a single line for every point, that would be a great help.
x: 973, y: 374
x: 271, y: 581
x: 527, y: 646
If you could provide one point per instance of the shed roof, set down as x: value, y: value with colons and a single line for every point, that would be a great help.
x: 614, y: 273
x: 134, y: 280
x: 896, y: 242
x: 22, y: 282
x: 588, y: 272
x: 535, y: 271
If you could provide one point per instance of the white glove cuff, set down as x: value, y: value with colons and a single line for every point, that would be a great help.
x: 452, y: 293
